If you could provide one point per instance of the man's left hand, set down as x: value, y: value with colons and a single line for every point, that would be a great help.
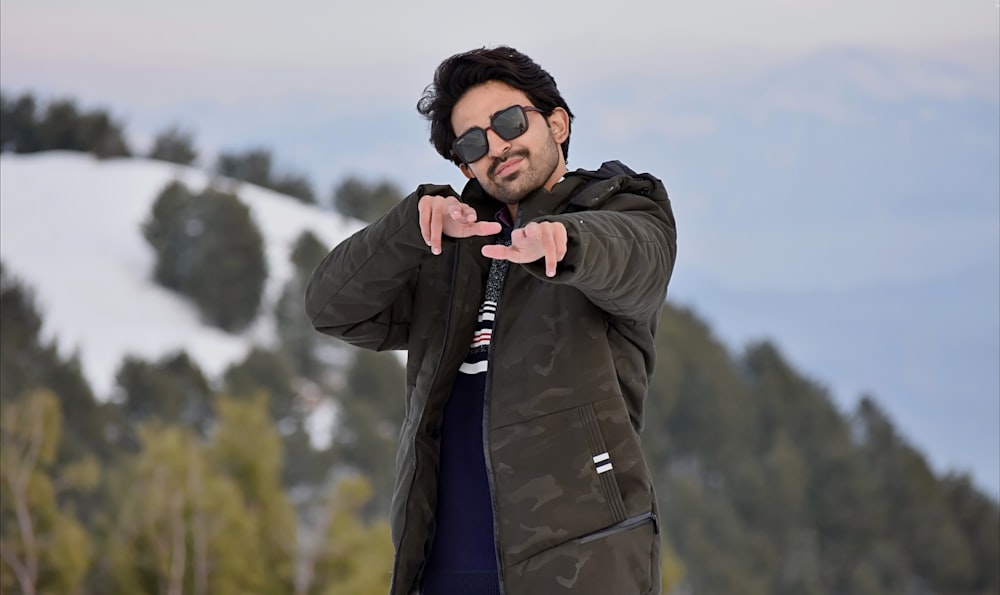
x: 531, y: 242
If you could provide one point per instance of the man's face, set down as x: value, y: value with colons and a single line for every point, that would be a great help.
x: 511, y: 169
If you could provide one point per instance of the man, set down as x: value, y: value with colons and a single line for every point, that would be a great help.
x: 528, y: 306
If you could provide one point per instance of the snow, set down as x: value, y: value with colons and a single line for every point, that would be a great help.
x: 71, y: 229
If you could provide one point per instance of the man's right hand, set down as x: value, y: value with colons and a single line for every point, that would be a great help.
x: 448, y: 216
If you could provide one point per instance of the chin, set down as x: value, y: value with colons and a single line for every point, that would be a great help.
x: 511, y: 190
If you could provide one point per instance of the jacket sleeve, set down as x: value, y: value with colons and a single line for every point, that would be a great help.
x: 362, y: 292
x: 620, y: 256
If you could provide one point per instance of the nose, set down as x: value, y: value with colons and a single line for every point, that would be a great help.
x: 498, y: 146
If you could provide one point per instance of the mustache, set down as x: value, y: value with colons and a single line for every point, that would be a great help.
x: 498, y: 162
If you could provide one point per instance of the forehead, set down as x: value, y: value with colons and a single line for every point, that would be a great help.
x: 481, y: 102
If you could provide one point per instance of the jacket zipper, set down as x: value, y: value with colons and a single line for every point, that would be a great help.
x: 486, y: 422
x: 437, y: 371
x: 620, y: 527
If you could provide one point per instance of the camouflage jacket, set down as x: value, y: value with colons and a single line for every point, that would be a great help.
x: 573, y: 503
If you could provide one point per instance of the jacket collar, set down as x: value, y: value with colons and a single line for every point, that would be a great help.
x: 584, y: 189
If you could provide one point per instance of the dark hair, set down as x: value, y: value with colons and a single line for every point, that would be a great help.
x: 461, y: 72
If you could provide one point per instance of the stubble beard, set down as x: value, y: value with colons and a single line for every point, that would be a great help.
x: 518, y: 185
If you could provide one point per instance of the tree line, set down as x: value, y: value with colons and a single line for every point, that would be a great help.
x: 178, y: 483
x: 28, y: 125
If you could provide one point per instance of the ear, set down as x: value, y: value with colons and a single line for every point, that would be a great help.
x: 559, y: 124
x: 467, y: 171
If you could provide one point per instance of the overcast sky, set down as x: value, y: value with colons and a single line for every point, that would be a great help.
x: 357, y: 53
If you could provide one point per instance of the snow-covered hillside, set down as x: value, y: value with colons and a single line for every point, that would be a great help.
x: 70, y: 227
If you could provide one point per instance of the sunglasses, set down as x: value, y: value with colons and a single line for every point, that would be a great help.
x: 508, y: 123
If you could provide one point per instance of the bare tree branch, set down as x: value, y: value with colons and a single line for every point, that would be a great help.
x: 23, y: 578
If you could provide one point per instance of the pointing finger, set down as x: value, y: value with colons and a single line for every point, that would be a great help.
x: 484, y: 228
x: 549, y: 249
x: 424, y: 209
x: 435, y: 228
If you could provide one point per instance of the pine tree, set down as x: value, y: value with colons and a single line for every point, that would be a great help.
x: 28, y: 363
x: 174, y: 145
x: 18, y: 124
x: 252, y: 165
x: 355, y: 198
x: 59, y: 127
x: 209, y: 248
x: 978, y: 518
x: 173, y: 390
x: 98, y: 133
x: 295, y: 185
x: 229, y: 270
x: 298, y: 339
x: 22, y: 350
x: 172, y: 231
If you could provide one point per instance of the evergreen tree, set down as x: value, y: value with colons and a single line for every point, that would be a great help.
x: 174, y: 145
x: 18, y: 124
x: 917, y: 509
x: 978, y: 518
x: 256, y: 167
x: 209, y: 248
x: 102, y: 136
x: 356, y: 198
x: 62, y: 126
x: 173, y: 390
x: 307, y: 252
x: 22, y: 350
x: 28, y: 363
x: 294, y: 185
x: 172, y: 231
x: 230, y: 269
x: 252, y: 165
x: 266, y: 371
x: 697, y: 394
x: 59, y: 127
x: 298, y: 339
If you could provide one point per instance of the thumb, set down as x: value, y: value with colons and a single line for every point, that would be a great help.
x: 496, y: 252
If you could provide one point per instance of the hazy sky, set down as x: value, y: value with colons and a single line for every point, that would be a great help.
x: 362, y: 52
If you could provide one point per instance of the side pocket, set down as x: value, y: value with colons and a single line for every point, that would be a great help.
x: 621, y: 527
x: 603, y: 463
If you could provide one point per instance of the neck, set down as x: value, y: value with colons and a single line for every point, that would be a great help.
x: 557, y: 174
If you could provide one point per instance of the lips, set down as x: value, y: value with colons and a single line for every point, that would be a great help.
x: 508, y: 166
